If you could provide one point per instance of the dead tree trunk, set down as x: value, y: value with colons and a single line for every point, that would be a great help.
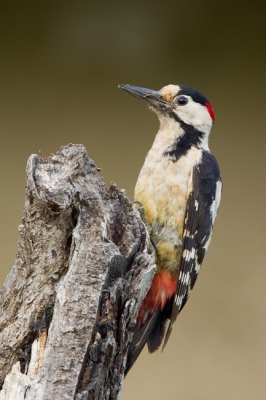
x: 68, y: 306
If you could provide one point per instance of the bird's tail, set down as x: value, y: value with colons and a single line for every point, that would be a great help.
x: 152, y: 333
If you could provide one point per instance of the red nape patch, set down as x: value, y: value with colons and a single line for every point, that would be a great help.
x: 210, y: 109
x: 162, y: 289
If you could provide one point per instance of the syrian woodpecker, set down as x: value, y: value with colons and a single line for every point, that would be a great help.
x: 179, y: 187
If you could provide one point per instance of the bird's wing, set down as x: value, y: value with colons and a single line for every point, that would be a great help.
x: 203, y: 200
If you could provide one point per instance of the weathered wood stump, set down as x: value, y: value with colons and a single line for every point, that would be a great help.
x: 69, y: 304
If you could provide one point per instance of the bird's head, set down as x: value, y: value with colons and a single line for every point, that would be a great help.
x: 177, y: 105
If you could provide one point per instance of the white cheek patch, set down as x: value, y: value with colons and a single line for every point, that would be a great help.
x: 195, y: 114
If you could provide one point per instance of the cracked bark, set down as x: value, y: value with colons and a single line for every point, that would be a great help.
x: 68, y: 306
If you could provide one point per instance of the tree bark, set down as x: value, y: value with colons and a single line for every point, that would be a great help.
x: 69, y: 304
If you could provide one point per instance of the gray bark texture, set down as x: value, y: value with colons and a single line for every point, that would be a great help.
x: 69, y: 304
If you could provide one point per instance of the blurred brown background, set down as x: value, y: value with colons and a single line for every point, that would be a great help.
x: 60, y: 65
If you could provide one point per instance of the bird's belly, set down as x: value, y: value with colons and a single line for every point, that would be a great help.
x: 162, y: 190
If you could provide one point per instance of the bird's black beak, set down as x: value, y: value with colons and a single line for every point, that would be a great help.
x: 153, y: 97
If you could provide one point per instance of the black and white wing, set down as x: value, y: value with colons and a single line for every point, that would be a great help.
x: 203, y: 201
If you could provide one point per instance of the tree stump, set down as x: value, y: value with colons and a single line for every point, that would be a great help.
x: 69, y: 304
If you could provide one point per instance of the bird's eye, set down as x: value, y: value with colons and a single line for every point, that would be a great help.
x: 182, y: 100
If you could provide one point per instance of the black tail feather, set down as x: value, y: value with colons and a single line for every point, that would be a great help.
x: 140, y: 338
x: 156, y: 337
x: 152, y: 333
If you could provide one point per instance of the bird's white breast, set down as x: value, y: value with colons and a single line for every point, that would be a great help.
x: 162, y: 188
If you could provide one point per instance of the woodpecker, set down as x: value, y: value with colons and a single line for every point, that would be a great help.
x: 180, y: 188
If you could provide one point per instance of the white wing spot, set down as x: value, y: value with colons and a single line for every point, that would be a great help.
x: 188, y: 255
x: 186, y: 233
x: 197, y: 268
x: 184, y: 278
x: 178, y: 300
x: 208, y: 241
